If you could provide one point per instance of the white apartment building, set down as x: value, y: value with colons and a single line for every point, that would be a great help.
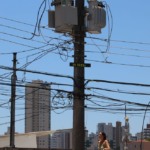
x: 37, y: 110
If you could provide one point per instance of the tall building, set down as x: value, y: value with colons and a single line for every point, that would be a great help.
x: 109, y: 131
x: 107, y: 128
x: 118, y: 134
x: 37, y: 110
x: 114, y: 138
x: 101, y: 127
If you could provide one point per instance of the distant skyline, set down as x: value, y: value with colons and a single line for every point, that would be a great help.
x: 118, y: 76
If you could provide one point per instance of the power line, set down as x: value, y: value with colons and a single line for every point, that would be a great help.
x: 117, y: 82
x: 117, y: 100
x: 118, y: 91
x: 37, y: 72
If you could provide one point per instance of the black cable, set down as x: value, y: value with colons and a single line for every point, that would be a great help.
x: 102, y: 39
x: 37, y: 72
x: 141, y: 147
x: 38, y: 20
x: 117, y: 91
x: 116, y: 82
x: 44, y: 52
x: 116, y: 100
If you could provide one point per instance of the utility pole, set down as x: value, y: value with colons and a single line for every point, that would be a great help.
x: 78, y: 102
x: 13, y: 95
x: 77, y: 20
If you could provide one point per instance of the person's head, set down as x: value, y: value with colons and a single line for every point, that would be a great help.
x: 102, y: 136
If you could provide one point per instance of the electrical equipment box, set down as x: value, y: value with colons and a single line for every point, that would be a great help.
x: 64, y: 17
x: 95, y: 18
x: 51, y: 19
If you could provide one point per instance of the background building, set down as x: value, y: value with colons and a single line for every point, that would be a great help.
x: 37, y: 110
x: 136, y: 145
x: 118, y: 138
x: 146, y: 134
x: 114, y: 134
x: 107, y: 128
x: 62, y: 139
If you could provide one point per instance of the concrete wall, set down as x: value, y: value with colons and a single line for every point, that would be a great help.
x: 8, y: 148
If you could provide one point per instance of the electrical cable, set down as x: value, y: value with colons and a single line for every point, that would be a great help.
x: 141, y: 147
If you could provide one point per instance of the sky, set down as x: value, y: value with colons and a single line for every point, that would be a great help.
x: 123, y: 57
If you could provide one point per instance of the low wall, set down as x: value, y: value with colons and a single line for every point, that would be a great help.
x: 9, y: 148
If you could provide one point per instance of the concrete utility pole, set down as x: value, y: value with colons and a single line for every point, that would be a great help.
x: 13, y: 95
x: 77, y: 20
x: 78, y: 105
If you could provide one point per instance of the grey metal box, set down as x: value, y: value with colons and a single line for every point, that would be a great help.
x: 65, y: 18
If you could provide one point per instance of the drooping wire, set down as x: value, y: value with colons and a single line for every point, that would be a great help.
x: 110, y: 24
x: 141, y: 147
x: 38, y: 20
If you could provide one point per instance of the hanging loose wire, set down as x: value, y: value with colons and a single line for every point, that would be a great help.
x: 141, y: 147
x: 38, y: 21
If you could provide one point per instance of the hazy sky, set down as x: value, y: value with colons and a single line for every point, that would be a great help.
x: 127, y: 60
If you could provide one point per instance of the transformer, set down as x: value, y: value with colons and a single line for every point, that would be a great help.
x: 64, y: 17
x: 95, y: 17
